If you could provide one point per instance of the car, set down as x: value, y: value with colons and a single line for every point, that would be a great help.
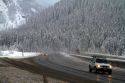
x: 100, y: 64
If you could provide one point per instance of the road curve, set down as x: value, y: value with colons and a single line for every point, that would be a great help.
x: 66, y: 68
x: 82, y: 66
x: 73, y: 75
x: 40, y: 65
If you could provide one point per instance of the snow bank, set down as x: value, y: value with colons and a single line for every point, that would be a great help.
x: 65, y: 54
x: 17, y: 55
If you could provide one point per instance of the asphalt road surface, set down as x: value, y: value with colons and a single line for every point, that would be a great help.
x: 67, y: 68
x: 79, y: 68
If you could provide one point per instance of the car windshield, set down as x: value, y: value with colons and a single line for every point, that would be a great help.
x: 101, y: 61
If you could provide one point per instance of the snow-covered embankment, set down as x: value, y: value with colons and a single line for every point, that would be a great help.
x: 18, y: 55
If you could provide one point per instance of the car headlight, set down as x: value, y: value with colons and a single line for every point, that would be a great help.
x: 98, y: 66
x: 110, y: 66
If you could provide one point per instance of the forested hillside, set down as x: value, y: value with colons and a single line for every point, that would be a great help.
x: 70, y: 25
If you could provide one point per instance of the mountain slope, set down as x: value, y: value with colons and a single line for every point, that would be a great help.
x: 14, y: 13
x: 85, y: 25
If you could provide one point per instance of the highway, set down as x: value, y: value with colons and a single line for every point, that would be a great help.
x: 67, y: 68
x: 79, y: 68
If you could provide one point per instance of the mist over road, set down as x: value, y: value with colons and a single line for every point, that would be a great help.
x: 79, y: 67
x: 65, y: 67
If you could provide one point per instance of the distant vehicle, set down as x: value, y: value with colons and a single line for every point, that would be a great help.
x: 100, y: 64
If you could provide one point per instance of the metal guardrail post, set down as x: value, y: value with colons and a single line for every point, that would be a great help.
x: 45, y: 79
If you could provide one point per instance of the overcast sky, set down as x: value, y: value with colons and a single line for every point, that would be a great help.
x: 47, y: 2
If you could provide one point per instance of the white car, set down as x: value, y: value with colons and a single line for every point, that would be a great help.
x: 98, y: 64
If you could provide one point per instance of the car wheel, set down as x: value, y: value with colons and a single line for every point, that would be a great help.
x: 110, y: 72
x: 96, y: 71
x: 90, y: 69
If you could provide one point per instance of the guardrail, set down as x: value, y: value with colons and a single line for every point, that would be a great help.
x: 115, y: 60
x: 105, y: 55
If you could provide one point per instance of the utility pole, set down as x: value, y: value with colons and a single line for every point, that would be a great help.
x: 45, y: 79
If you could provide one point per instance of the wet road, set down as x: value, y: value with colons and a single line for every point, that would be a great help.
x: 68, y: 68
x: 118, y: 75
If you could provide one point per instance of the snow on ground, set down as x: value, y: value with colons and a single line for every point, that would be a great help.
x: 120, y: 60
x: 6, y: 22
x: 106, y: 55
x: 65, y: 54
x: 111, y: 58
x: 3, y: 14
x: 72, y: 58
x: 18, y: 55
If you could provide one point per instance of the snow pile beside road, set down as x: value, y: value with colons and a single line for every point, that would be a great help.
x: 17, y: 55
x: 65, y: 54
